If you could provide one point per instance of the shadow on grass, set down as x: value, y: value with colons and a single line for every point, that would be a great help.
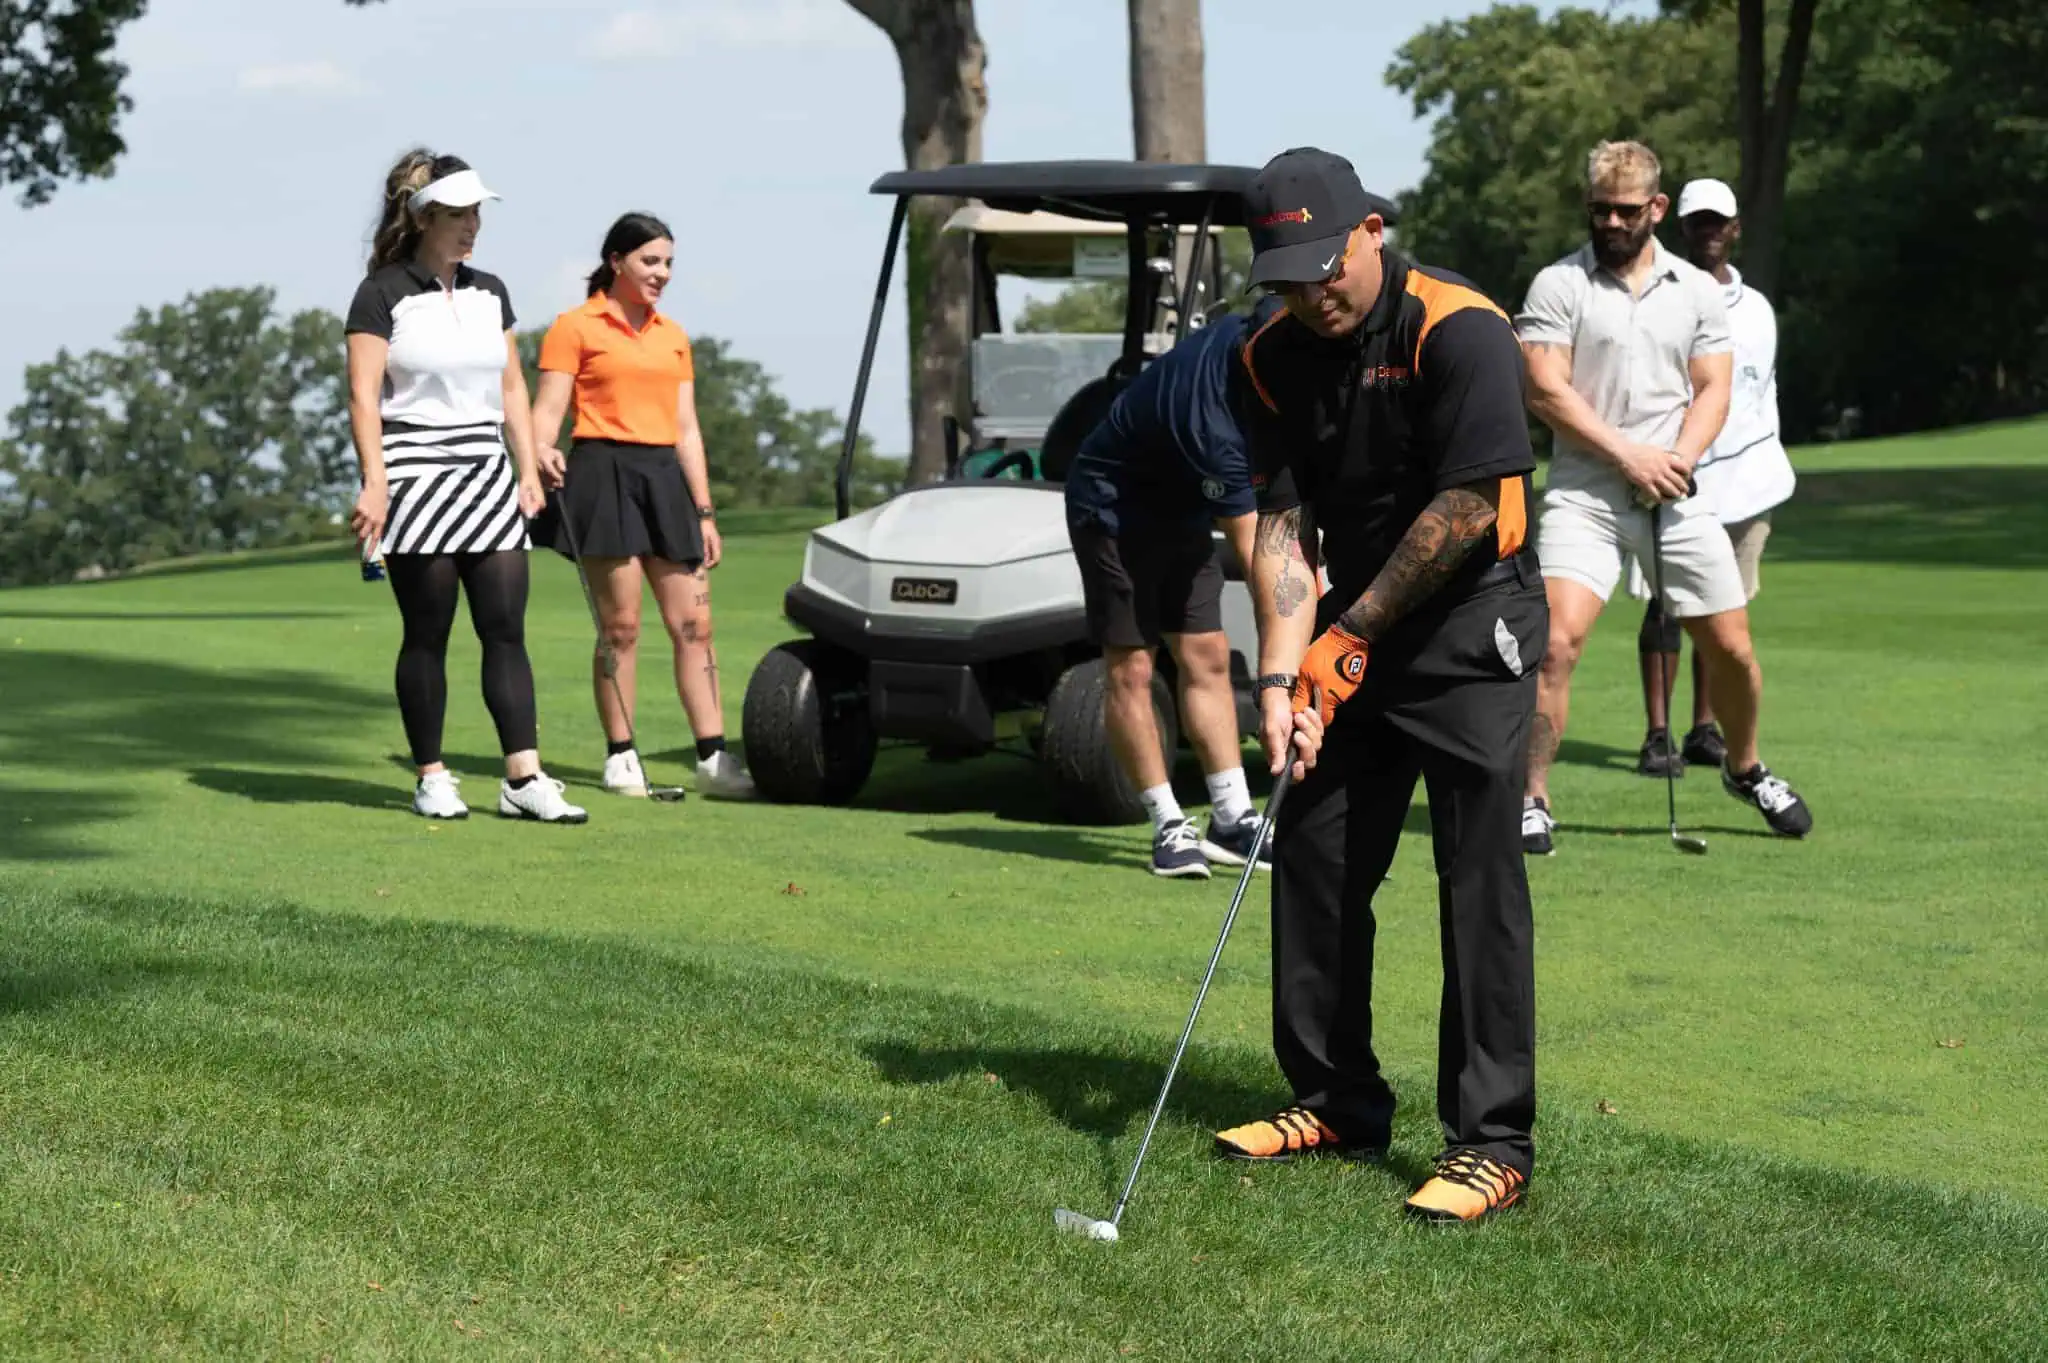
x: 1053, y: 844
x: 1579, y: 753
x: 101, y: 716
x: 1663, y: 830
x: 1978, y: 517
x: 36, y: 823
x: 32, y: 991
x: 87, y: 616
x: 299, y: 788
x: 1102, y: 1095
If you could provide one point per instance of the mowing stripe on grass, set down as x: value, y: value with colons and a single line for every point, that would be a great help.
x: 222, y: 1125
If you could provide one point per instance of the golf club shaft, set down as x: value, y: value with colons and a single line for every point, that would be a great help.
x: 1251, y: 865
x: 1666, y: 674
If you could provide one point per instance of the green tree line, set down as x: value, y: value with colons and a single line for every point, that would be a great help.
x: 218, y: 423
x: 1912, y: 246
x: 1912, y: 271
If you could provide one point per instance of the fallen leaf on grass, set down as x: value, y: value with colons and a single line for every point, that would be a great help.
x: 792, y: 888
x: 1246, y: 1180
x: 1607, y: 1109
x: 376, y: 1287
x: 1954, y: 1043
x: 990, y: 1079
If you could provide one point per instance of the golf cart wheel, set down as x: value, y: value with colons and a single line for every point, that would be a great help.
x: 805, y: 724
x: 1088, y: 782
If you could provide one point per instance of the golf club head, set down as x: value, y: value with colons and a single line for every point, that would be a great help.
x: 1087, y: 1227
x: 674, y: 795
x: 1685, y: 842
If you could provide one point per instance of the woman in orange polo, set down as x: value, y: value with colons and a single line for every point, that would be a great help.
x: 635, y: 491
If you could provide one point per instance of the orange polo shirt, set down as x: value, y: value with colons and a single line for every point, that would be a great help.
x: 626, y: 380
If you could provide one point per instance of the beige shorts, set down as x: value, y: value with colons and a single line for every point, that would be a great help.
x: 1592, y: 545
x: 1746, y: 537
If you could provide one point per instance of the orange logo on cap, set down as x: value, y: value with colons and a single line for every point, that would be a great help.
x: 1288, y: 215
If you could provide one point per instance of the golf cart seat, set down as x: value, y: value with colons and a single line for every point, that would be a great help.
x: 1078, y: 415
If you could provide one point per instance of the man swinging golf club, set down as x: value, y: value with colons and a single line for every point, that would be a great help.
x: 1629, y: 363
x: 1387, y: 409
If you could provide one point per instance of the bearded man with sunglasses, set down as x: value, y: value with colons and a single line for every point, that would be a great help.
x: 1383, y: 411
x: 1631, y: 366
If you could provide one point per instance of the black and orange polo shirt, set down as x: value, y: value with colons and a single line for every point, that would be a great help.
x: 626, y: 380
x: 1426, y: 394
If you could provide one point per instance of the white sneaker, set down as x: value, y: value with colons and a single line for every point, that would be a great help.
x: 721, y: 777
x: 623, y: 775
x: 540, y: 798
x: 435, y: 797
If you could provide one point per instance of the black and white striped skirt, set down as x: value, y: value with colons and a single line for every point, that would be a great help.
x: 452, y: 492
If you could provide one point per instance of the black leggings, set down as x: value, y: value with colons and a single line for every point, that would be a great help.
x: 425, y: 585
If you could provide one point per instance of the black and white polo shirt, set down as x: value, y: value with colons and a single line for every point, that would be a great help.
x: 447, y: 363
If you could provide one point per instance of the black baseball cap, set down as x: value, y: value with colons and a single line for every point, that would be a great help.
x: 1300, y: 210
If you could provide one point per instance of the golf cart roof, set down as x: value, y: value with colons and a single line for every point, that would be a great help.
x: 1005, y: 222
x: 1104, y: 191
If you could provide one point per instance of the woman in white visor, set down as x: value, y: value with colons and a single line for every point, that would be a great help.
x: 436, y: 396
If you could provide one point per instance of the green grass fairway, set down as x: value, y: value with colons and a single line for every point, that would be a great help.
x: 286, y: 1072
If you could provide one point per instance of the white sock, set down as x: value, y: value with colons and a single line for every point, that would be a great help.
x: 1159, y: 802
x: 1228, y: 796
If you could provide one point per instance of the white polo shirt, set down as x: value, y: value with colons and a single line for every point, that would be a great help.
x: 1631, y: 356
x: 1746, y: 471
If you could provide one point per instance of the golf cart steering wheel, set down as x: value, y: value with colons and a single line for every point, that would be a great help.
x: 1014, y: 459
x: 1078, y: 416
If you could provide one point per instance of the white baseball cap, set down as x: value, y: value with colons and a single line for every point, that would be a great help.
x: 458, y: 190
x: 1706, y: 196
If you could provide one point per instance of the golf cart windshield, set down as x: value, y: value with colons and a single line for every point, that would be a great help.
x: 1145, y: 204
x: 1018, y: 381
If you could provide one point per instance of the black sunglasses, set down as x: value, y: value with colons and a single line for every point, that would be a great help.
x: 1599, y: 210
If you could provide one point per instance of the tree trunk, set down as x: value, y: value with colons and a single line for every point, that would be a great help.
x: 1766, y: 134
x: 944, y: 101
x: 1168, y: 118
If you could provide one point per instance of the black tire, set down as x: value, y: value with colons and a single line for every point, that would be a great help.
x: 1089, y: 785
x: 805, y: 724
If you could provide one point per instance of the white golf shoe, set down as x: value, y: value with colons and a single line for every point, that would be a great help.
x: 435, y: 797
x: 541, y: 799
x: 623, y: 774
x: 721, y: 777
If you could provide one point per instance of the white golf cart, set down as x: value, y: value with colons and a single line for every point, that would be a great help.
x: 950, y: 616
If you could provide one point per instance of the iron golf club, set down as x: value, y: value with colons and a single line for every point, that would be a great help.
x: 1684, y: 842
x: 668, y: 794
x: 1088, y: 1227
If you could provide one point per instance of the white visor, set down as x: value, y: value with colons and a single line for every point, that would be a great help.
x: 460, y: 190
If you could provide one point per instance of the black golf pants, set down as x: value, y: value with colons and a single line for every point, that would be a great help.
x: 1457, y: 716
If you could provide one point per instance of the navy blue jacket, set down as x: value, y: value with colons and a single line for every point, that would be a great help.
x: 1170, y: 455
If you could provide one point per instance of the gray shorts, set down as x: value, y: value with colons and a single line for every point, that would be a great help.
x: 1747, y: 538
x: 1591, y: 544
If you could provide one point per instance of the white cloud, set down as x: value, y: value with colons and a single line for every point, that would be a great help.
x: 303, y: 78
x: 651, y: 34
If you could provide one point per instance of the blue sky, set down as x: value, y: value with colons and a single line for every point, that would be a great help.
x: 261, y: 131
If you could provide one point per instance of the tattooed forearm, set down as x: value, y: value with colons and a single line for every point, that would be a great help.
x: 1278, y: 532
x: 1436, y: 545
x: 1279, y: 537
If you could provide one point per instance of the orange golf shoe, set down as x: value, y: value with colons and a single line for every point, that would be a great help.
x: 1467, y: 1186
x: 1288, y: 1134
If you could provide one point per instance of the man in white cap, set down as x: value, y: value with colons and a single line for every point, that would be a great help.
x: 1630, y: 364
x: 1742, y: 476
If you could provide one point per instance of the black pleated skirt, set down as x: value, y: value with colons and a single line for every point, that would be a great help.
x: 622, y: 501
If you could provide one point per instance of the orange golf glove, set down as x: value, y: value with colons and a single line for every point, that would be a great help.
x: 1336, y: 665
